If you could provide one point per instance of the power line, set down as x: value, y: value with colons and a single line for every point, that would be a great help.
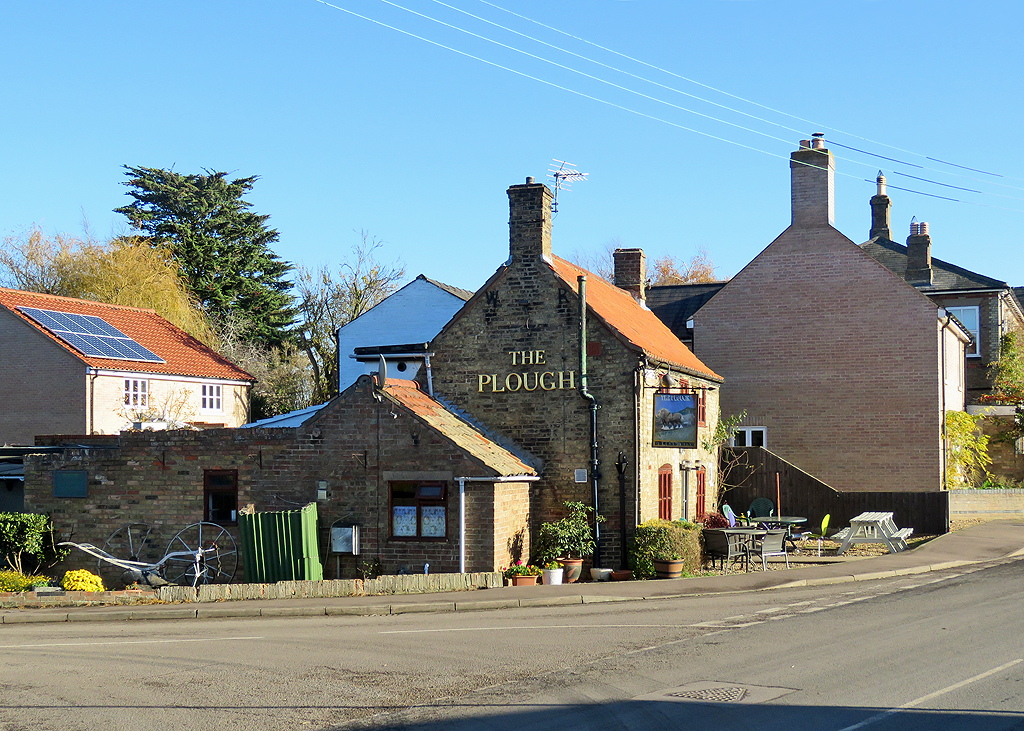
x: 610, y: 103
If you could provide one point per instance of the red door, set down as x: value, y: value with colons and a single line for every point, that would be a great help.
x: 665, y: 492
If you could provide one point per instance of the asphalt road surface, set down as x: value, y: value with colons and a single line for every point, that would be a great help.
x: 936, y: 651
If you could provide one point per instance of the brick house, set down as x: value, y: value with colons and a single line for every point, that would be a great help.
x: 844, y: 369
x: 987, y: 307
x: 511, y: 359
x: 390, y: 459
x: 74, y: 366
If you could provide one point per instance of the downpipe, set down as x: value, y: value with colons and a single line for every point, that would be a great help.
x: 594, y: 463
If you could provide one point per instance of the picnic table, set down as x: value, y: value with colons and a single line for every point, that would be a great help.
x: 874, y: 528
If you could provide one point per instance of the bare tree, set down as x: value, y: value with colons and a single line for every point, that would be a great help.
x: 330, y: 300
x: 124, y: 271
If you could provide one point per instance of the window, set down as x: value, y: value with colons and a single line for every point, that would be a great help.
x: 665, y: 492
x: 220, y: 496
x: 700, y: 402
x: 136, y: 393
x: 970, y: 317
x: 211, y: 400
x: 419, y: 510
x: 702, y: 485
x: 750, y: 436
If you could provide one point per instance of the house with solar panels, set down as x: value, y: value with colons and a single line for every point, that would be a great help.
x: 74, y: 366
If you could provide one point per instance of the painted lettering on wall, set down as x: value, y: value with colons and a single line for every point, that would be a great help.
x: 535, y: 380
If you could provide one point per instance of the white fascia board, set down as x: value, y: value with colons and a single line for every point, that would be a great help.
x: 166, y: 377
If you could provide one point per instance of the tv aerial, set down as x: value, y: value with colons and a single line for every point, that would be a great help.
x: 563, y: 174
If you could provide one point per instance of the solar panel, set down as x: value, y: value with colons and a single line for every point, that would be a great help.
x: 91, y: 335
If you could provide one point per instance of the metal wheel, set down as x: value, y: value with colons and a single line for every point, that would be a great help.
x: 201, y: 553
x: 131, y: 542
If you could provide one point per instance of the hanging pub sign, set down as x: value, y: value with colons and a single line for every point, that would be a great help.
x: 675, y: 420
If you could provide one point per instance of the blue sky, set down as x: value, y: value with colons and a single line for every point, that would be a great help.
x: 354, y: 126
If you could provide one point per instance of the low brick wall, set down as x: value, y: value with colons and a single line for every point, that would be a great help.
x: 986, y: 504
x: 409, y: 584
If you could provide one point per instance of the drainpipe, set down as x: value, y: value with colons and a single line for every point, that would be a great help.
x: 620, y: 467
x: 462, y: 507
x: 942, y: 390
x: 430, y: 375
x: 594, y: 477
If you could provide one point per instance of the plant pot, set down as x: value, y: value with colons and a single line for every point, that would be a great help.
x: 573, y: 568
x: 668, y: 569
x: 523, y: 580
x: 600, y: 574
x: 624, y: 575
x: 552, y: 576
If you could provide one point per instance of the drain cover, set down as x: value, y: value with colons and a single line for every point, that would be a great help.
x: 717, y: 695
x: 710, y: 691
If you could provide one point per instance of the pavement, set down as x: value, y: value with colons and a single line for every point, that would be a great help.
x: 990, y: 541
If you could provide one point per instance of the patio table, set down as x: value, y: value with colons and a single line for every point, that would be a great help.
x: 874, y: 528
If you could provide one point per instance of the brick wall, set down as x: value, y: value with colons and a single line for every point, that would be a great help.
x: 836, y: 356
x: 356, y: 444
x: 43, y: 389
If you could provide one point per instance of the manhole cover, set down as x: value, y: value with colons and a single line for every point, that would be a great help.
x: 717, y: 695
x: 712, y: 691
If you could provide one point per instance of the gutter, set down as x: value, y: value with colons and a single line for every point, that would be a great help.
x: 595, y: 477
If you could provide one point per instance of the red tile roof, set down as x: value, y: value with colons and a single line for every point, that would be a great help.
x: 637, y: 325
x: 463, y: 434
x: 184, y: 355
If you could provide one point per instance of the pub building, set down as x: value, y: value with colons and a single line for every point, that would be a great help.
x: 548, y: 385
x: 584, y: 378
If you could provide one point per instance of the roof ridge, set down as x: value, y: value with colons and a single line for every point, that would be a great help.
x: 77, y: 299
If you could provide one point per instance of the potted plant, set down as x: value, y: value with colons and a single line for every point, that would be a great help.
x: 569, y: 540
x: 520, y: 574
x: 668, y: 566
x: 552, y: 573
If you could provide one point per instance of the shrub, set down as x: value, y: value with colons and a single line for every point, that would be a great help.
x: 655, y: 538
x: 570, y: 537
x: 27, y: 542
x: 713, y: 520
x: 14, y: 581
x: 81, y: 580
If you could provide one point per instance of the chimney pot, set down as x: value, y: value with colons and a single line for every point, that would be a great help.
x: 529, y: 180
x: 818, y: 141
x: 922, y: 228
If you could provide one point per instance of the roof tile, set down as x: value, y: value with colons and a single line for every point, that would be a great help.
x: 183, y: 354
x: 637, y: 325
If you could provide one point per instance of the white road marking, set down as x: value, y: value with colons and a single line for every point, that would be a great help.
x: 930, y: 696
x: 536, y: 626
x: 128, y: 642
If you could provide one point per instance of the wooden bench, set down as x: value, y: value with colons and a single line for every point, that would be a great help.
x: 874, y: 528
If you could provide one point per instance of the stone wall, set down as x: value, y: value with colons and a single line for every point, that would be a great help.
x: 986, y: 504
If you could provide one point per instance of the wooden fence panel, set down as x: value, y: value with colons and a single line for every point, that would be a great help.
x: 799, y: 493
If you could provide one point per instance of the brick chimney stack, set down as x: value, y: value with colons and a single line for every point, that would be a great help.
x: 529, y: 221
x: 631, y: 272
x: 812, y: 171
x: 919, y: 254
x: 881, y: 208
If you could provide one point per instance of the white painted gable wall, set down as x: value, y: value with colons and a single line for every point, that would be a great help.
x: 413, y: 314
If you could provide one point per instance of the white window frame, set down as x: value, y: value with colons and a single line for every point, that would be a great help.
x: 211, y: 398
x: 136, y: 393
x: 747, y: 432
x: 957, y: 312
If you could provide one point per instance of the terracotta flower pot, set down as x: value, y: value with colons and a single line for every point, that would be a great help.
x: 668, y: 568
x: 624, y: 575
x: 523, y: 580
x: 573, y: 568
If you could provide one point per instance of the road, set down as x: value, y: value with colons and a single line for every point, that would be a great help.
x: 935, y: 651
